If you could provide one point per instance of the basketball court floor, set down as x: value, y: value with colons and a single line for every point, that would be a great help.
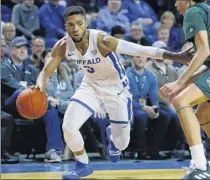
x: 125, y: 169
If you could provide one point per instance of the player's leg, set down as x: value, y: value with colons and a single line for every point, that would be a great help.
x: 192, y: 95
x: 119, y: 108
x: 203, y: 115
x: 81, y: 107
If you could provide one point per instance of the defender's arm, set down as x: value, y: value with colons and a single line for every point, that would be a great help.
x: 202, y: 53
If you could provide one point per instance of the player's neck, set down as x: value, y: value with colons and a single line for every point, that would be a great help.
x: 139, y: 71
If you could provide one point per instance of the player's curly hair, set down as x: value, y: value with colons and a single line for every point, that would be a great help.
x: 72, y: 10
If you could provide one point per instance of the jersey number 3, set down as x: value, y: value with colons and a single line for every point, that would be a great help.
x: 89, y: 69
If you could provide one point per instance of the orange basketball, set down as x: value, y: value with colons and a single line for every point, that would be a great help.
x: 32, y: 103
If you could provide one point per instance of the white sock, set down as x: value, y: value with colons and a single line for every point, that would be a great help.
x: 198, y: 156
x: 82, y: 158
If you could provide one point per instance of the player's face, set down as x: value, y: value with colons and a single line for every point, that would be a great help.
x: 139, y: 62
x: 182, y: 5
x: 76, y: 26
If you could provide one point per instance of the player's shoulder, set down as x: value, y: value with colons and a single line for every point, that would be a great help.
x: 193, y: 12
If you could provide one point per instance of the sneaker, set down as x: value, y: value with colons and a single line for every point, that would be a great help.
x: 52, y: 156
x: 195, y: 173
x: 79, y: 170
x: 112, y: 152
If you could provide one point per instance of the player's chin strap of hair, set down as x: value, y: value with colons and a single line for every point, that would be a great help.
x: 128, y: 48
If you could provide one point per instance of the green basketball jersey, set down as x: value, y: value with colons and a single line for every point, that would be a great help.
x: 197, y: 18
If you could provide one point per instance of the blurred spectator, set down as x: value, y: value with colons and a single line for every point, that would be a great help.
x: 111, y: 16
x: 9, y: 32
x: 136, y: 10
x: 51, y: 17
x: 136, y: 34
x: 144, y: 87
x: 39, y: 3
x: 37, y: 47
x: 6, y: 13
x: 90, y: 6
x: 176, y: 38
x: 71, y: 70
x: 7, y: 124
x: 4, y: 56
x: 59, y: 89
x: 2, y: 25
x: 25, y: 18
x: 141, y: 11
x: 15, y: 76
x: 163, y: 34
x: 119, y: 33
x: 78, y: 79
x: 10, y: 3
x: 166, y: 74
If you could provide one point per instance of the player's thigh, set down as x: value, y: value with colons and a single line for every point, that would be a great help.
x: 203, y: 112
x: 82, y: 106
x: 191, y: 95
x: 119, y: 107
x: 87, y: 97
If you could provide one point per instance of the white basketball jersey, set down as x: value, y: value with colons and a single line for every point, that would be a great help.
x: 103, y: 71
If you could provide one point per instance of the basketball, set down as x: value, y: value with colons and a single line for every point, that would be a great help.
x: 32, y: 103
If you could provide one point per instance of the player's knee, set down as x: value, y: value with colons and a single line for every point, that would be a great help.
x: 178, y: 102
x: 67, y: 130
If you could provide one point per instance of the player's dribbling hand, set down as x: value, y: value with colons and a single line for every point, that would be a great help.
x: 40, y: 87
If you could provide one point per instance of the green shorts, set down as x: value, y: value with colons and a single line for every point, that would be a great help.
x: 203, y: 83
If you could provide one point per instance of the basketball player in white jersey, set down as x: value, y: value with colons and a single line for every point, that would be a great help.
x: 104, y: 81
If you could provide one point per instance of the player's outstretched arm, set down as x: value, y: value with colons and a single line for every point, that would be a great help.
x: 58, y: 53
x: 202, y: 53
x: 125, y: 47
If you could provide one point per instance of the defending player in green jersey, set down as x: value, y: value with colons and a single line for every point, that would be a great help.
x: 193, y: 86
